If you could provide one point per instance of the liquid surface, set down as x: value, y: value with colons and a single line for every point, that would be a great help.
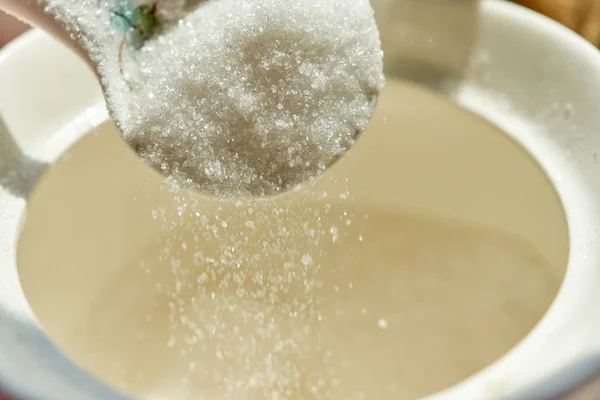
x: 426, y: 253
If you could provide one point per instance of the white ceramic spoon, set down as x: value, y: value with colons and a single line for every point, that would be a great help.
x: 33, y: 12
x: 190, y: 120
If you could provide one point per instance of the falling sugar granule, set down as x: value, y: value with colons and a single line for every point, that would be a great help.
x: 244, y: 302
x: 235, y: 97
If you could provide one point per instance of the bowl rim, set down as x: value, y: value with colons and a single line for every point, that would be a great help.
x: 92, y: 388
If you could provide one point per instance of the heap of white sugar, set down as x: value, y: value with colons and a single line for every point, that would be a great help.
x: 244, y: 97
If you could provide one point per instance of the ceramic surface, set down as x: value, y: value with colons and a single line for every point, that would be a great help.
x: 530, y: 76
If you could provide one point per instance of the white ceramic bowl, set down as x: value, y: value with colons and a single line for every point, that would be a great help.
x: 533, y: 78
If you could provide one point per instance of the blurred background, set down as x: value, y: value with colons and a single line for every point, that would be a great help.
x: 9, y: 28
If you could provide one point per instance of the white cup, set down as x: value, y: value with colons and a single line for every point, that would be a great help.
x: 499, y: 60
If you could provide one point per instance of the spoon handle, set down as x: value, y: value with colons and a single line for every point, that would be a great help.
x: 34, y: 13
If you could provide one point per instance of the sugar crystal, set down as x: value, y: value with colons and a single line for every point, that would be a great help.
x: 235, y: 97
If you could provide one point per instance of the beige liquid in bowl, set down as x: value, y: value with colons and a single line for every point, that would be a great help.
x: 429, y: 251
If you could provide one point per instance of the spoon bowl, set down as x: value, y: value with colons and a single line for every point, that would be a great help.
x: 238, y: 104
